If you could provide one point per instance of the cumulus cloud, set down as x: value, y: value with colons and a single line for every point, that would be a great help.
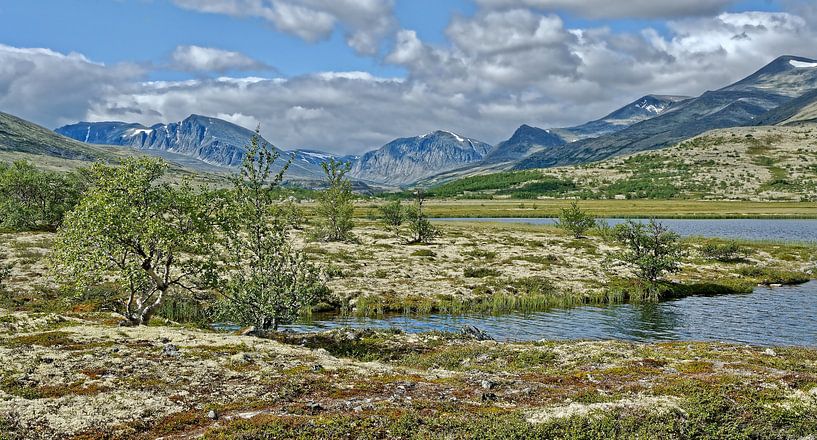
x: 208, y: 59
x: 619, y: 9
x: 54, y: 88
x: 499, y: 69
x: 366, y: 22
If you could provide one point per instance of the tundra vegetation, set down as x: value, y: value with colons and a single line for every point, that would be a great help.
x: 420, y: 228
x: 146, y: 238
x: 336, y: 203
x: 575, y: 220
x: 269, y: 283
x: 143, y: 246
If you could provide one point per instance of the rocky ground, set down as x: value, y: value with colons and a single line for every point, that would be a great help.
x: 80, y: 377
x: 68, y: 370
x: 742, y: 163
x: 470, y: 267
x: 472, y: 264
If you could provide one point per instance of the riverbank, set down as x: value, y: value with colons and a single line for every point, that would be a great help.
x: 82, y: 377
x: 691, y: 209
x: 500, y: 267
x: 473, y: 267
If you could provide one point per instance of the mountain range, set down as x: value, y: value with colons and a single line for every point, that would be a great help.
x: 774, y: 94
x: 210, y: 140
x: 738, y: 104
x: 407, y: 160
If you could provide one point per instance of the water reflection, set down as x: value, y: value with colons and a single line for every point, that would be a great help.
x: 748, y: 229
x: 768, y: 316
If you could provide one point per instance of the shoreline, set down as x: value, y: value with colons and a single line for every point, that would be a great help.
x: 667, y: 209
x: 178, y: 383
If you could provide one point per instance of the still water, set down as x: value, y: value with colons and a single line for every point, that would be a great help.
x: 768, y: 316
x: 747, y: 229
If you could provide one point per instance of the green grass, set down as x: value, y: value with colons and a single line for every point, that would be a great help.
x: 496, y: 181
x: 691, y: 209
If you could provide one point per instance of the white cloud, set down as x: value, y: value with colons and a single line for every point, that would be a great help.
x: 208, y: 59
x: 500, y: 68
x: 619, y: 9
x: 241, y: 119
x: 366, y: 22
x: 53, y: 88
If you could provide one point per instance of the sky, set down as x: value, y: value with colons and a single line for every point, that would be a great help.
x: 347, y: 76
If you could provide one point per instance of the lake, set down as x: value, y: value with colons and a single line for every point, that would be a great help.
x: 747, y: 229
x: 768, y: 316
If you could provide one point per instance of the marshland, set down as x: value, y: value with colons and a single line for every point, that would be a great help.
x: 377, y: 318
x: 397, y: 219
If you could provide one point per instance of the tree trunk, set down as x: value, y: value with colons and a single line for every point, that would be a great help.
x: 149, y: 310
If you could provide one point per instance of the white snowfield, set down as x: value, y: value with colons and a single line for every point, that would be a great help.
x: 137, y: 131
x: 802, y: 64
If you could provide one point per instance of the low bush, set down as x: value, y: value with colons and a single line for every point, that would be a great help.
x: 575, y: 220
x: 480, y: 272
x: 423, y: 253
x: 729, y: 252
x: 770, y: 275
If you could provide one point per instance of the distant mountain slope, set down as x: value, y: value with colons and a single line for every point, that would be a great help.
x: 738, y: 163
x: 24, y: 140
x: 735, y: 105
x: 788, y: 75
x: 211, y: 140
x: 525, y: 141
x: 19, y: 135
x: 407, y: 160
x: 646, y: 107
x: 803, y: 108
x: 528, y: 140
x: 314, y: 157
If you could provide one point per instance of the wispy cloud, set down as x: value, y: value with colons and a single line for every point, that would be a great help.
x: 209, y: 59
x: 366, y: 22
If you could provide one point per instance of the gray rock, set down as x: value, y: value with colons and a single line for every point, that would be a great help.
x: 475, y: 333
x: 170, y: 350
x: 487, y: 384
x: 488, y: 397
x: 241, y: 358
x: 212, y: 415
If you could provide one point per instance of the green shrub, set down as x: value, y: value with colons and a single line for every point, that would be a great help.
x: 574, y: 220
x: 34, y: 199
x: 728, y: 252
x: 652, y: 248
x: 480, y: 253
x: 480, y: 272
x: 420, y: 228
x: 423, y: 253
x: 335, y: 204
x: 393, y: 214
x: 534, y: 286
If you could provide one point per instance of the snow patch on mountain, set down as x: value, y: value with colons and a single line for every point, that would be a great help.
x: 136, y: 131
x: 456, y: 136
x: 801, y: 64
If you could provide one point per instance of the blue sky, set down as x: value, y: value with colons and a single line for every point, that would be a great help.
x: 480, y: 67
x: 112, y: 31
